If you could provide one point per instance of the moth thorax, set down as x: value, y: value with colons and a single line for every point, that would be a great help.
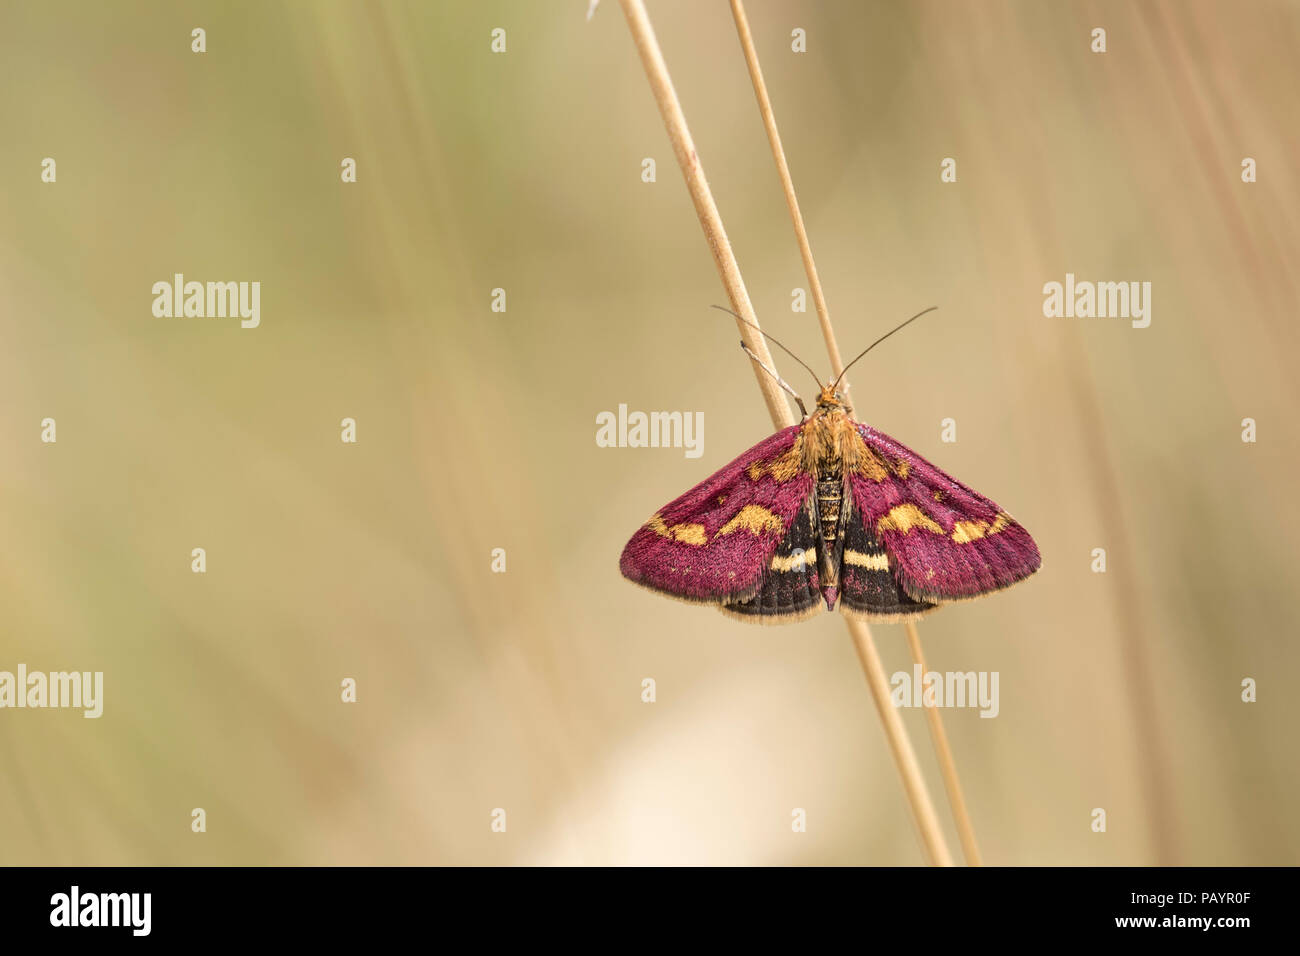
x: 830, y: 442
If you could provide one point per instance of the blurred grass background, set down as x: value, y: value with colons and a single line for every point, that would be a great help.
x: 476, y: 429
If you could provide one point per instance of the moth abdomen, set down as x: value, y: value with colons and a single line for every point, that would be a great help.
x: 830, y: 499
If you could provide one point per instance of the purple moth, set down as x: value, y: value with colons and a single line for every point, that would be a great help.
x: 829, y: 513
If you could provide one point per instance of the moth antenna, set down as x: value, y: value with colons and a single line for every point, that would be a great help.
x: 774, y: 342
x: 836, y: 383
x: 779, y: 380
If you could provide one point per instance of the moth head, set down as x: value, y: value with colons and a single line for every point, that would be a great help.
x: 830, y: 397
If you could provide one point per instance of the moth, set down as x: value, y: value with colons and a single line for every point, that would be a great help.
x: 829, y: 513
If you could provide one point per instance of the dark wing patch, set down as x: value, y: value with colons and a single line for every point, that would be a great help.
x: 868, y: 585
x: 789, y: 589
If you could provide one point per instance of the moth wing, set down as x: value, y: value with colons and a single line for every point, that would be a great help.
x: 788, y: 590
x: 712, y: 544
x: 868, y: 586
x: 945, y: 541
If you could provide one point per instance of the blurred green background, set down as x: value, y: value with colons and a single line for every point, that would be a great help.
x: 477, y: 429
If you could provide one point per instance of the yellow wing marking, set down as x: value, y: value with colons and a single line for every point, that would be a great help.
x: 685, y: 533
x: 752, y: 518
x: 965, y: 532
x: 904, y: 518
x: 783, y: 467
x: 796, y: 561
x: 872, y: 562
x: 789, y: 464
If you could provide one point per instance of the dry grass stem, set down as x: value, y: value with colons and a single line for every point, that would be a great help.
x: 791, y: 199
x: 940, y: 739
x: 684, y: 148
x: 729, y: 271
x: 951, y: 782
x: 927, y: 821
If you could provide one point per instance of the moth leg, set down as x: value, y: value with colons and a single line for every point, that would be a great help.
x: 779, y: 380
